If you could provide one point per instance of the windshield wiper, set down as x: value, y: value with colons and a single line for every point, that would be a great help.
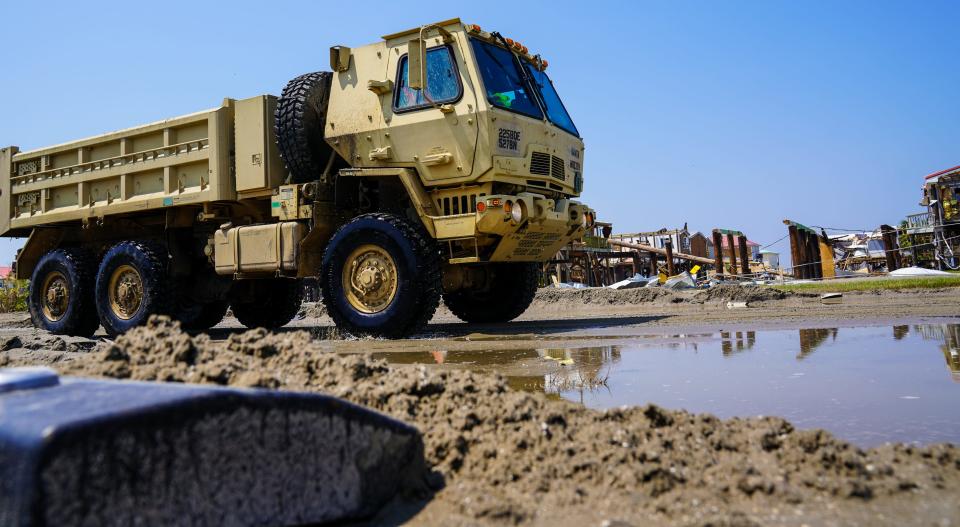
x: 524, y: 75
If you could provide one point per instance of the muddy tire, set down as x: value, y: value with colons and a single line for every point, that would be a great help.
x: 132, y: 284
x: 381, y: 276
x: 512, y: 288
x: 301, y: 116
x: 61, y: 297
x: 270, y: 303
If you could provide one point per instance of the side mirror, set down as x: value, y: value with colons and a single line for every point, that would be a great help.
x: 416, y: 60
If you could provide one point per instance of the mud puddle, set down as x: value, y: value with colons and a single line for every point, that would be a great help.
x: 869, y: 385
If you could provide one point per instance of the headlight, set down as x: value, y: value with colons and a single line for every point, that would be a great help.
x: 517, y: 212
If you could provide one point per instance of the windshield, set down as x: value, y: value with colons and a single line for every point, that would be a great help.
x: 555, y: 111
x: 506, y: 89
x: 502, y: 81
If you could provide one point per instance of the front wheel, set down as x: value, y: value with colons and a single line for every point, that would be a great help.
x: 509, y: 292
x: 132, y: 285
x: 381, y: 276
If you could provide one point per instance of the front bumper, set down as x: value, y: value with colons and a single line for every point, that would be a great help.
x: 545, y: 225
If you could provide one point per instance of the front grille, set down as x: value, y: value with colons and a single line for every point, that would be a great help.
x: 540, y: 164
x: 558, y: 172
x: 463, y: 204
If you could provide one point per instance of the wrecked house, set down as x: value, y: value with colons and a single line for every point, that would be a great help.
x: 678, y: 238
x: 859, y: 251
x: 934, y: 235
x: 590, y: 261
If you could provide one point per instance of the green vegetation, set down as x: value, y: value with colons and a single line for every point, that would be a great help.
x: 13, y: 297
x: 845, y: 285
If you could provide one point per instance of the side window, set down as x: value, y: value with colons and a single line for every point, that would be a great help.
x: 443, y: 81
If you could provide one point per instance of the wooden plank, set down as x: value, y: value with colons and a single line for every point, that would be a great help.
x: 718, y: 252
x: 661, y: 252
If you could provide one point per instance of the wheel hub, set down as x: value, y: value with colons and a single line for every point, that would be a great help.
x: 125, y: 291
x: 56, y: 296
x: 369, y: 279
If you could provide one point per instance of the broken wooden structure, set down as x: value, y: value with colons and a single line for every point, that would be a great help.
x: 810, y: 252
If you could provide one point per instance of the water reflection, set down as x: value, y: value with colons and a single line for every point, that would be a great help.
x: 557, y: 370
x: 737, y: 342
x: 811, y: 339
x: 900, y: 331
x: 582, y: 369
x: 949, y: 337
x: 548, y: 370
x: 867, y: 384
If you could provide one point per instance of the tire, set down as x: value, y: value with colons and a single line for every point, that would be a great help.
x: 201, y: 317
x: 198, y: 303
x: 513, y: 286
x: 415, y: 260
x: 73, y: 270
x: 300, y: 119
x: 270, y: 303
x: 129, y: 270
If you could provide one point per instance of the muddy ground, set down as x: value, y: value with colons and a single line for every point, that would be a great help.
x: 498, y: 456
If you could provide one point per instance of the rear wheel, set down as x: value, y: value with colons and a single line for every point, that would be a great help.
x: 61, y: 293
x: 201, y: 299
x: 269, y: 303
x: 510, y: 291
x: 200, y: 317
x: 132, y: 284
x: 381, y: 276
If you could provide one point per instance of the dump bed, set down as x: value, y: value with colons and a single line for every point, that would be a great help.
x: 188, y: 160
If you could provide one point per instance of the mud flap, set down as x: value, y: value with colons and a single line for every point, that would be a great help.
x: 78, y: 451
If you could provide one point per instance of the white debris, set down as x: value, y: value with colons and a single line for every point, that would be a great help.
x: 919, y: 271
x: 632, y: 282
x: 680, y: 281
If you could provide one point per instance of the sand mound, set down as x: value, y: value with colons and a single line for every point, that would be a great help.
x: 602, y: 295
x: 741, y: 293
x: 510, y: 457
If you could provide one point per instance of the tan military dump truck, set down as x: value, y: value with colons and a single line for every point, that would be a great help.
x: 437, y: 162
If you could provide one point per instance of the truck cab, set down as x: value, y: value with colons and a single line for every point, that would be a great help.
x: 478, y: 119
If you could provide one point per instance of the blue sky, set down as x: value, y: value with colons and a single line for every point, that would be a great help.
x: 719, y: 114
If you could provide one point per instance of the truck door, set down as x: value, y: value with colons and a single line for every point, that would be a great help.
x: 434, y: 129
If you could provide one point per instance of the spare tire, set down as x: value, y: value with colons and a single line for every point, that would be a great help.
x: 299, y: 122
